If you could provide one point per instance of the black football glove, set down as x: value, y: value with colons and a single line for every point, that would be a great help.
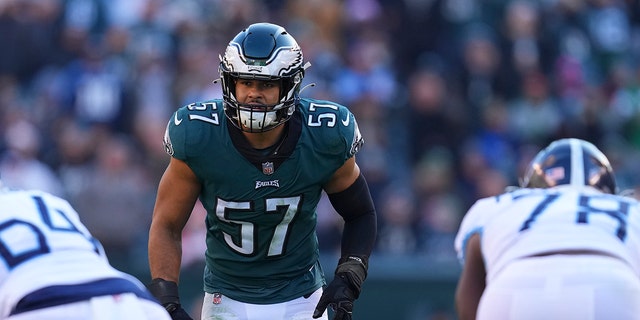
x: 344, y: 289
x: 167, y: 293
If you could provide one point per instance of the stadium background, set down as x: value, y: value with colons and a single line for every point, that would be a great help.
x: 453, y: 98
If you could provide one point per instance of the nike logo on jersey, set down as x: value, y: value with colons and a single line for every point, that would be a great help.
x: 176, y: 121
x: 345, y: 122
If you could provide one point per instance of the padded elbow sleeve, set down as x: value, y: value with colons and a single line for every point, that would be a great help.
x: 356, y: 206
x: 354, y: 201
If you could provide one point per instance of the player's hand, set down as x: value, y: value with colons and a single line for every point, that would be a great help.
x: 177, y: 312
x: 167, y: 294
x: 339, y: 297
x: 343, y: 290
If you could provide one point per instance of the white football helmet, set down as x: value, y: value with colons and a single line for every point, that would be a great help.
x: 262, y: 51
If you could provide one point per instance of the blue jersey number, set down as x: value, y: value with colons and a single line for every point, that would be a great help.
x: 618, y: 209
x: 35, y: 243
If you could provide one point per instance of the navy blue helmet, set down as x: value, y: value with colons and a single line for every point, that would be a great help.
x: 570, y: 162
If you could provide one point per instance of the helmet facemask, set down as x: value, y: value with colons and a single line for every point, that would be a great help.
x: 251, y: 117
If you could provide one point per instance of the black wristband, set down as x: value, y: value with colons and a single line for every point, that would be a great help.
x: 171, y: 307
x: 165, y: 291
x: 354, y: 270
x: 364, y: 260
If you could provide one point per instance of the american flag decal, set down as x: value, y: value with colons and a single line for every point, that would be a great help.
x: 556, y: 173
x: 267, y: 168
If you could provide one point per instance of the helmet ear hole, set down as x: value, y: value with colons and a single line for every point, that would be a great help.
x: 570, y: 162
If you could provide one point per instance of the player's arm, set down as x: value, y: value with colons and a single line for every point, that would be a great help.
x: 472, y: 280
x: 177, y: 194
x: 349, y: 195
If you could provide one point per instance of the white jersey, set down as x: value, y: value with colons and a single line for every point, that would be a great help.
x: 43, y: 244
x: 528, y: 222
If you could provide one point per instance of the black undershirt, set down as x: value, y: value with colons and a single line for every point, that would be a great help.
x: 277, y: 153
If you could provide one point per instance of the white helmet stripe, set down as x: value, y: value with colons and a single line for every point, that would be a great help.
x: 577, y: 163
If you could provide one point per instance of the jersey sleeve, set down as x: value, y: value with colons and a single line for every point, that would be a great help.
x: 332, y: 127
x: 188, y: 128
x: 350, y: 132
x: 175, y: 135
x: 472, y: 223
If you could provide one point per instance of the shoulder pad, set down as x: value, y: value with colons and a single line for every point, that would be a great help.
x: 189, y: 127
x: 335, y: 123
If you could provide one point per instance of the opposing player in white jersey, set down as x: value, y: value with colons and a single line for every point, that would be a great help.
x: 52, y: 268
x: 564, y: 246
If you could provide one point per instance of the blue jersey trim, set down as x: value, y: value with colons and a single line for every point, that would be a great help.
x: 465, y: 242
x: 63, y: 294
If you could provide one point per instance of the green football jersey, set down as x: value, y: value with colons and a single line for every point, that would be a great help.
x: 261, y: 204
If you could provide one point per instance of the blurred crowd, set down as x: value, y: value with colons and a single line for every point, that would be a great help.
x: 453, y: 98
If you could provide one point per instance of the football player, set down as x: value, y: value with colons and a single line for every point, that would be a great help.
x: 51, y: 267
x: 258, y: 159
x: 564, y: 246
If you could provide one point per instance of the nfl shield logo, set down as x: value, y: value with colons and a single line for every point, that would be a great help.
x: 217, y: 298
x: 267, y: 168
